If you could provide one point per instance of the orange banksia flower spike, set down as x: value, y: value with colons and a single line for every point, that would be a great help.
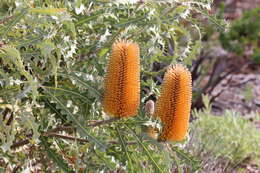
x: 174, y: 105
x: 122, y: 81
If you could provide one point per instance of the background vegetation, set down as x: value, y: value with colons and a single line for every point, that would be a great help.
x: 53, y: 57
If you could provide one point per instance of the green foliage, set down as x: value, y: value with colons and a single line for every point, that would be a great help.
x: 256, y: 55
x: 53, y: 57
x: 225, y: 140
x: 244, y: 32
x: 55, y: 157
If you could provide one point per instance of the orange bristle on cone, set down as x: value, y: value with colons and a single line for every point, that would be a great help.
x: 174, y: 105
x: 122, y: 82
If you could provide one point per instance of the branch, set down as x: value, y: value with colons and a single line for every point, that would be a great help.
x: 62, y: 128
x: 20, y: 143
x: 52, y: 133
x: 212, y: 99
x: 220, y: 78
x: 212, y: 76
x: 195, y: 68
x: 68, y: 137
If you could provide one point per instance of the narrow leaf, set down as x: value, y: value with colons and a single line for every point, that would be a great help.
x: 123, y: 144
x: 49, y: 11
x: 85, y: 84
x: 70, y: 92
x: 55, y: 157
x: 79, y: 125
x: 157, y: 167
x: 13, y: 22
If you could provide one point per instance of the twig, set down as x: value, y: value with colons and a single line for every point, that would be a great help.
x: 62, y: 128
x: 20, y: 143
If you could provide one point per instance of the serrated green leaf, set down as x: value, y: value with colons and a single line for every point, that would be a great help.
x: 92, y: 89
x: 28, y: 121
x: 12, y: 55
x: 68, y: 92
x: 79, y: 125
x: 55, y: 157
x: 12, y: 23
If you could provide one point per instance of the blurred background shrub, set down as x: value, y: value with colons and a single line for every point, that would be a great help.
x: 244, y: 35
x: 223, y: 142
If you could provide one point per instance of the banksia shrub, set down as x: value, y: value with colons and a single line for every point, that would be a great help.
x: 122, y: 81
x: 174, y: 104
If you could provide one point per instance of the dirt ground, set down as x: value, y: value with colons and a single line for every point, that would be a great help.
x: 240, y: 92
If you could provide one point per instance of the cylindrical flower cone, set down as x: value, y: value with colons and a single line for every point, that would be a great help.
x: 122, y: 81
x: 174, y: 104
